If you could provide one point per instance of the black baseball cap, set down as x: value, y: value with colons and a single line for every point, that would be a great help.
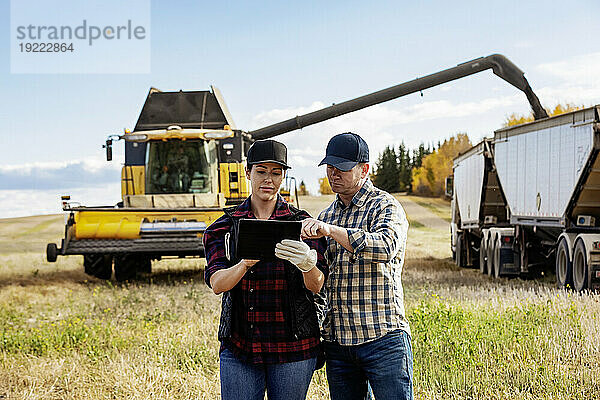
x: 346, y: 150
x: 263, y: 151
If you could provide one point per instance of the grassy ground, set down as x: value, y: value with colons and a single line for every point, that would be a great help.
x: 64, y: 335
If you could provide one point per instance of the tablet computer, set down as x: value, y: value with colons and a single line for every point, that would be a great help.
x: 257, y: 237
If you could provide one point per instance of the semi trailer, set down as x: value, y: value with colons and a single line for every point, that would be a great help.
x: 184, y: 161
x: 528, y: 201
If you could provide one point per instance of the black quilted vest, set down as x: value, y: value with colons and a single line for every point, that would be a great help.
x: 299, y: 308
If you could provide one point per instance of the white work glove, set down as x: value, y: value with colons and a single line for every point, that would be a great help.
x: 298, y: 253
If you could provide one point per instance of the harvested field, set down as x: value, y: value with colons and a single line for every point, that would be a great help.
x: 64, y: 335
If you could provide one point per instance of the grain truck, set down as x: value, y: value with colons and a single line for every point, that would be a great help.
x: 184, y: 161
x: 528, y: 200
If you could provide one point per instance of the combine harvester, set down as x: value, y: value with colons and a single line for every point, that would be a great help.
x: 529, y: 199
x: 184, y: 162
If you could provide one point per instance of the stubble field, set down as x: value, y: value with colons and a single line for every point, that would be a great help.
x: 64, y: 335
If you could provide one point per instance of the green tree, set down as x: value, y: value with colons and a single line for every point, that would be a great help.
x: 387, y: 174
x: 419, y: 154
x: 404, y: 168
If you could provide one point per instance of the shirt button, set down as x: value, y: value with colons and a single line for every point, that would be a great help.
x: 251, y: 290
x: 251, y: 326
x: 251, y: 271
x: 251, y: 308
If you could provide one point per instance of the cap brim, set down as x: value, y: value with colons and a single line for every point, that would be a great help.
x: 285, y: 166
x: 340, y: 163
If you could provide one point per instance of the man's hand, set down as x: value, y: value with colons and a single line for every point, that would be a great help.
x: 298, y: 253
x: 314, y: 229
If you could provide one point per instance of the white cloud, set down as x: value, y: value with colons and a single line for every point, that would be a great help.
x: 91, y: 164
x: 577, y: 70
x: 578, y: 80
x: 19, y: 203
x: 59, y: 174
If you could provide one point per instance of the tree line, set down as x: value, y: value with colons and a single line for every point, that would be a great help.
x: 422, y: 170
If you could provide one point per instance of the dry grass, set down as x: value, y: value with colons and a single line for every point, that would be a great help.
x: 64, y: 335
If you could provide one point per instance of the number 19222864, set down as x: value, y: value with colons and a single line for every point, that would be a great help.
x: 46, y: 47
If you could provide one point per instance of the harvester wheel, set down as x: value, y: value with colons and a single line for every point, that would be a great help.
x: 51, y: 252
x: 145, y: 265
x: 98, y: 265
x: 125, y: 267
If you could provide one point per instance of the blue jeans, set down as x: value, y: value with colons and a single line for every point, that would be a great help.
x: 287, y: 381
x: 386, y: 363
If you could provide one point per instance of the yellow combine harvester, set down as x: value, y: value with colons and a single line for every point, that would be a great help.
x: 184, y: 162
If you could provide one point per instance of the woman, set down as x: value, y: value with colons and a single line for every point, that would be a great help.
x: 268, y: 331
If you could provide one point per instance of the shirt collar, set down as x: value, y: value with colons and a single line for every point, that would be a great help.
x: 244, y: 210
x: 359, y: 197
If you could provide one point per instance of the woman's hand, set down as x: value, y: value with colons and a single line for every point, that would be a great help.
x: 305, y: 259
x: 298, y: 253
x: 225, y: 279
x: 248, y: 263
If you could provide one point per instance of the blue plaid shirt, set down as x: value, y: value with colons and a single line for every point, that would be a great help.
x: 364, y: 296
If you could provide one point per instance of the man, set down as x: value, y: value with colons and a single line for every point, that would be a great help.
x: 365, y: 331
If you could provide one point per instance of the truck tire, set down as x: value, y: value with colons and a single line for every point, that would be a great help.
x: 51, y: 252
x: 125, y: 267
x: 483, y: 255
x: 580, y: 267
x: 98, y: 265
x: 496, y: 263
x: 564, y: 266
x: 460, y: 251
x: 490, y: 256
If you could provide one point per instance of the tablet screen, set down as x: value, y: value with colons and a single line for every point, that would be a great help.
x: 257, y: 237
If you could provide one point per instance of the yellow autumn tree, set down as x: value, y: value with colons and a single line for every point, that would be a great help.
x: 517, y: 119
x: 324, y: 186
x: 430, y: 177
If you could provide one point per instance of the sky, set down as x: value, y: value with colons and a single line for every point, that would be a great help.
x: 274, y: 60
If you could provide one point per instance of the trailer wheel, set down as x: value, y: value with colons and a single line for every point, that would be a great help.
x: 483, y: 255
x: 98, y: 265
x: 580, y: 267
x: 51, y: 252
x: 490, y: 256
x: 564, y: 266
x: 497, y: 248
x: 460, y: 251
x: 125, y: 267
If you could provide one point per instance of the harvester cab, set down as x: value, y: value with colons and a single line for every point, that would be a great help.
x: 184, y: 152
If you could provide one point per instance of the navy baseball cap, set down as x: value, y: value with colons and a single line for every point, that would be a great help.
x: 263, y: 151
x: 346, y: 150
